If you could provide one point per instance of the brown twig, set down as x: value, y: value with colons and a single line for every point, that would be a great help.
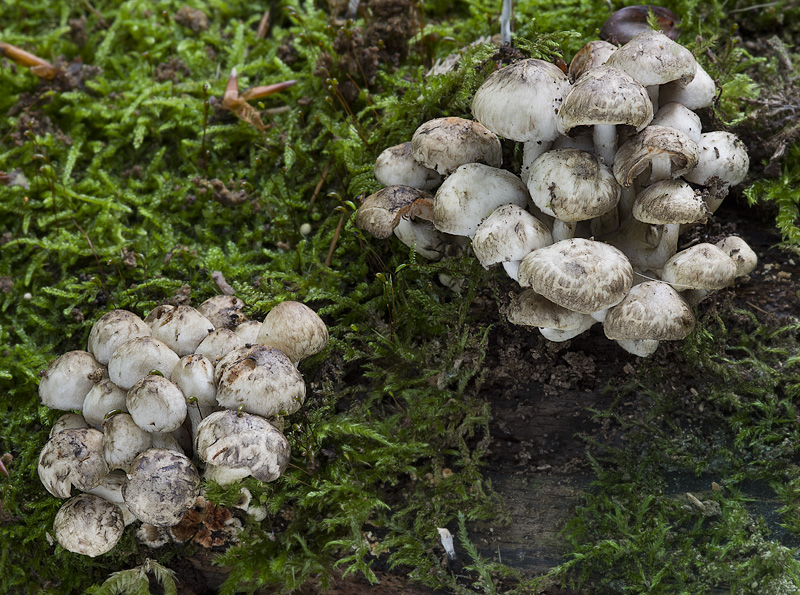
x: 333, y: 241
x: 321, y: 181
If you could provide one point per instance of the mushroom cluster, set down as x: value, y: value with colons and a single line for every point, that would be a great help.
x: 153, y: 394
x: 615, y: 166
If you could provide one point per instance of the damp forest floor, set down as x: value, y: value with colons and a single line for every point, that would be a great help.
x: 558, y: 468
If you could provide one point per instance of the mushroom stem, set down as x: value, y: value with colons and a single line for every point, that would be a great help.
x: 652, y: 92
x: 563, y: 230
x: 660, y: 168
x: 530, y: 151
x: 605, y: 142
x: 512, y: 268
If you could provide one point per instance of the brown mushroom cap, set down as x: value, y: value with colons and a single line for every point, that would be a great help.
x: 591, y: 55
x: 652, y: 311
x: 223, y: 311
x: 578, y: 274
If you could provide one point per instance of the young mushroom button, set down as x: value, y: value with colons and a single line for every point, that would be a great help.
x: 112, y: 330
x: 88, y: 525
x: 295, y: 329
x: 446, y: 143
x: 72, y: 458
x: 68, y: 379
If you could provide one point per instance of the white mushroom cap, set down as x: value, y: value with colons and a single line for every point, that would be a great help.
x: 572, y: 185
x: 135, y: 359
x: 223, y: 311
x: 578, y: 274
x: 261, y: 380
x: 68, y: 421
x: 194, y: 375
x: 396, y: 166
x: 652, y: 58
x: 72, y: 458
x: 445, y: 144
x: 67, y: 380
x: 218, y: 343
x: 677, y: 115
x: 652, y: 310
x: 520, y: 101
x: 123, y: 440
x: 156, y: 313
x: 295, y: 329
x: 105, y: 396
x: 248, y: 331
x: 112, y: 330
x: 156, y: 404
x: 88, y: 525
x: 721, y: 157
x: 243, y: 442
x: 703, y: 266
x: 471, y: 194
x: 696, y: 94
x: 740, y: 252
x: 181, y: 329
x: 528, y: 308
x: 162, y: 486
x: 510, y: 233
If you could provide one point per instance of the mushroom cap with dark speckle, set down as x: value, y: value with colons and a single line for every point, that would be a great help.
x: 88, y: 525
x: 444, y: 144
x: 652, y: 310
x: 70, y: 458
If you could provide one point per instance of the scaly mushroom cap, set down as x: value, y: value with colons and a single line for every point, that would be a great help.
x: 652, y: 311
x: 636, y: 155
x: 445, y: 144
x: 381, y: 212
x: 223, y: 311
x: 740, y: 252
x: 70, y: 458
x: 528, y: 308
x: 261, y: 380
x: 137, y: 358
x: 578, y: 274
x: 112, y: 330
x: 721, y: 156
x: 162, y: 486
x: 509, y: 233
x: 88, y: 525
x: 243, y: 442
x: 68, y: 379
x: 471, y: 194
x: 703, y: 266
x: 156, y: 404
x: 295, y: 329
x: 605, y: 95
x: 396, y: 166
x: 652, y: 58
x: 572, y: 185
x: 181, y: 329
x: 520, y: 101
x: 669, y: 201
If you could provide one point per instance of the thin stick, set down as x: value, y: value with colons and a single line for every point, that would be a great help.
x: 318, y: 187
x: 333, y: 242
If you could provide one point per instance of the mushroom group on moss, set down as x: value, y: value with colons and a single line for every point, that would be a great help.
x: 149, y: 402
x: 583, y: 206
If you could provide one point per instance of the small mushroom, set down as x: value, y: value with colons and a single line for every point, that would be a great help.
x: 223, y: 311
x: 123, y: 441
x: 137, y: 358
x: 88, y: 525
x: 722, y: 163
x: 105, y: 396
x: 396, y: 166
x: 703, y: 267
x: 741, y: 254
x: 217, y: 344
x: 181, y: 329
x: 669, y: 153
x: 244, y: 443
x: 591, y: 55
x: 162, y: 486
x: 555, y: 322
x: 72, y: 458
x: 295, y: 329
x: 248, y: 331
x: 156, y: 404
x: 471, y: 193
x: 260, y: 380
x: 113, y: 329
x: 381, y: 212
x: 68, y: 379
